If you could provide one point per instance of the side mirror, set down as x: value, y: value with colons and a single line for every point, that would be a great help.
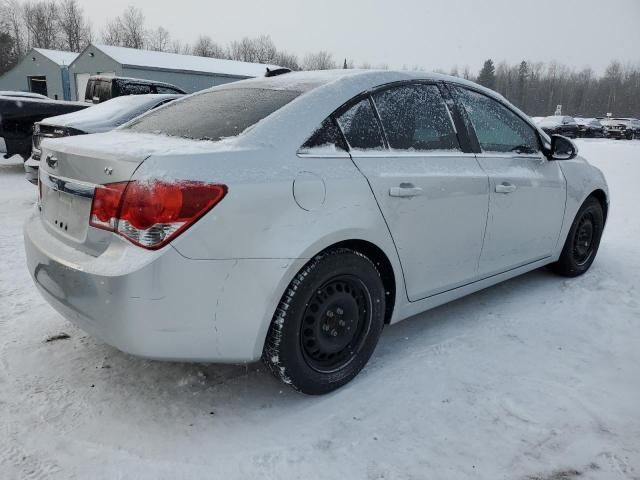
x: 562, y: 148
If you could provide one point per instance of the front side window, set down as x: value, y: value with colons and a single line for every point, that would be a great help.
x: 326, y: 139
x: 214, y: 114
x: 360, y: 127
x: 497, y: 128
x: 415, y: 118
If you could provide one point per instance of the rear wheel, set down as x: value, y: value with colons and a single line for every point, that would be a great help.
x: 328, y: 322
x: 582, y: 243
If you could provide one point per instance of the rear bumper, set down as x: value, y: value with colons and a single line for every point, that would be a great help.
x: 159, y: 305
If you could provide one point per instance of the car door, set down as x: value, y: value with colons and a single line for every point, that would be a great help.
x: 433, y: 196
x: 527, y: 191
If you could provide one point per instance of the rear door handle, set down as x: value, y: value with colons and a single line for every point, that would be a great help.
x: 505, y: 187
x: 405, y: 190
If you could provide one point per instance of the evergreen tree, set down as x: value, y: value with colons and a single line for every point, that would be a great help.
x: 523, y: 74
x: 487, y: 76
x: 345, y: 66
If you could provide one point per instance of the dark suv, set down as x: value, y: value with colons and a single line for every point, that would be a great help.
x: 100, y: 89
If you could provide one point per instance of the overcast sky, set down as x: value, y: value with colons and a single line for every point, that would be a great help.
x: 431, y: 34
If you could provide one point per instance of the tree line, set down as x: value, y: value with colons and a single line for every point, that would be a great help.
x: 535, y: 87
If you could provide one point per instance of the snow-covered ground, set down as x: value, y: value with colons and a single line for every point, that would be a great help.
x: 536, y: 378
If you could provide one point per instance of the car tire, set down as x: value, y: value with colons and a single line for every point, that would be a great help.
x: 583, y: 240
x: 328, y: 322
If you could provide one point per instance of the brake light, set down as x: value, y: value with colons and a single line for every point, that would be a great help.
x: 151, y: 214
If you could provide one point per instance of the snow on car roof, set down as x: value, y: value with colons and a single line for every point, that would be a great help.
x: 188, y: 63
x: 111, y: 113
x: 60, y: 57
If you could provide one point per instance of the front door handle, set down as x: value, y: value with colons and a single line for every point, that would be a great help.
x: 405, y: 190
x: 505, y: 187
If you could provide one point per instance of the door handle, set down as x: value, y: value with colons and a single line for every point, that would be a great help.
x: 405, y: 190
x: 505, y: 187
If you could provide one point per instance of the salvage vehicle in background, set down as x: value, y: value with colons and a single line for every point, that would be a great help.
x: 632, y: 127
x: 19, y: 114
x: 616, y: 128
x: 559, y: 125
x: 589, y: 127
x: 100, y: 89
x: 100, y: 118
x: 18, y: 94
x: 301, y: 214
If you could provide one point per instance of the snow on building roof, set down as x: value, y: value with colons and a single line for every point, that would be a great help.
x: 189, y: 63
x: 58, y: 56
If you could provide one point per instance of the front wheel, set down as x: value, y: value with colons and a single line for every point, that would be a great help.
x: 582, y: 243
x: 328, y: 322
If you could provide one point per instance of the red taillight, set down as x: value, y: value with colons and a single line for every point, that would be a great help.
x: 151, y: 214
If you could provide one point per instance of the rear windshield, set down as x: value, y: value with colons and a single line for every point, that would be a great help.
x: 216, y: 114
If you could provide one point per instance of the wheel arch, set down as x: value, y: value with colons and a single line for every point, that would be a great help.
x: 601, y: 196
x: 382, y: 262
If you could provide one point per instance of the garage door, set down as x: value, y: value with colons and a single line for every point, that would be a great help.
x: 81, y: 85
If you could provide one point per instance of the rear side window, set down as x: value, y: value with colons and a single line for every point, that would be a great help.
x: 215, y: 114
x: 414, y: 117
x: 135, y: 89
x: 327, y: 138
x: 161, y: 89
x: 360, y: 127
x: 497, y: 128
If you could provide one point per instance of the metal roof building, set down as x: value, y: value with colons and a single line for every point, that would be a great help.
x: 191, y: 73
x: 41, y: 71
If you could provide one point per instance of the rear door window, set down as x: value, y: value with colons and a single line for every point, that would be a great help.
x: 497, y: 128
x: 214, y: 114
x: 360, y: 127
x: 415, y: 118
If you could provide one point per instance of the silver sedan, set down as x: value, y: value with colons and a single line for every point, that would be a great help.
x: 290, y: 218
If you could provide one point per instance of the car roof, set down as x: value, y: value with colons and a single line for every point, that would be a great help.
x: 322, y: 92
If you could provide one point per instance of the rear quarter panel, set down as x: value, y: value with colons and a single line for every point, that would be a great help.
x: 260, y: 218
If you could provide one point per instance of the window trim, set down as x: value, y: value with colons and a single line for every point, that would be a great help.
x: 452, y: 86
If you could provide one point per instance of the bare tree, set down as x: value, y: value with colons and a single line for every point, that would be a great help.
x: 205, y: 47
x: 41, y: 22
x: 75, y: 29
x: 126, y: 30
x: 159, y: 40
x: 12, y: 22
x: 259, y: 50
x: 321, y: 60
x: 177, y: 46
x: 287, y: 60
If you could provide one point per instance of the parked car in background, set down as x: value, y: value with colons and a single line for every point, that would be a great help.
x: 301, y: 214
x: 100, y: 89
x: 589, y: 127
x: 13, y: 93
x: 537, y: 120
x: 100, y: 118
x: 559, y: 125
x: 618, y: 129
x: 632, y: 127
x: 18, y: 114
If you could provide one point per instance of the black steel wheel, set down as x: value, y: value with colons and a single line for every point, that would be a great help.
x: 336, y: 323
x: 583, y: 240
x: 328, y: 322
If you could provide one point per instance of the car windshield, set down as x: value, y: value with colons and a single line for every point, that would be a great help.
x: 215, y: 114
